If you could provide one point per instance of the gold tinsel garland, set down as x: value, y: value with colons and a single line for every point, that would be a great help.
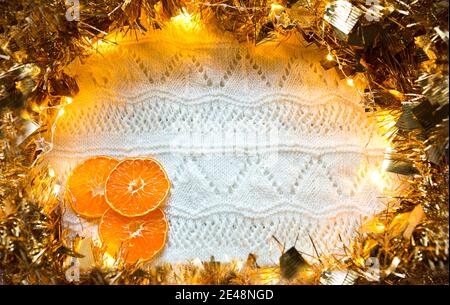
x: 399, y: 46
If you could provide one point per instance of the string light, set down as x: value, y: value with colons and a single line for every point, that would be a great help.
x: 239, y: 264
x: 308, y: 273
x: 61, y: 112
x: 108, y: 260
x: 373, y: 225
x: 25, y: 115
x: 329, y: 57
x: 36, y: 108
x: 276, y: 10
x: 51, y: 172
x: 197, y: 262
x: 185, y: 19
x: 56, y: 189
x: 68, y: 100
x: 350, y: 82
x: 380, y: 227
x: 276, y: 7
x: 377, y: 179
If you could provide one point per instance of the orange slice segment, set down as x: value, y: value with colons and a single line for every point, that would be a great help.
x: 136, y: 186
x: 137, y: 238
x: 86, y: 184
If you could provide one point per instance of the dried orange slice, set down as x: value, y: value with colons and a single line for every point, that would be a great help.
x: 86, y: 184
x: 136, y: 186
x: 137, y: 238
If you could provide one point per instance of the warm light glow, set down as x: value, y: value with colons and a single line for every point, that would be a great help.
x: 329, y: 57
x: 380, y: 227
x: 361, y: 261
x: 396, y: 261
x: 36, y: 108
x: 51, y: 172
x: 391, y: 123
x: 108, y: 260
x: 276, y: 7
x: 56, y: 189
x: 308, y: 273
x: 102, y: 45
x: 373, y: 226
x: 184, y: 19
x: 25, y: 115
x: 107, y: 43
x: 239, y: 265
x: 269, y: 276
x: 61, y: 112
x: 197, y: 262
x: 377, y: 179
x: 350, y: 82
x: 68, y: 100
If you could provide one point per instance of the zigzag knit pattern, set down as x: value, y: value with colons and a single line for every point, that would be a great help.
x: 258, y: 142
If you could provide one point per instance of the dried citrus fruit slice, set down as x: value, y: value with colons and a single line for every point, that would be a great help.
x: 86, y: 184
x: 137, y: 238
x: 136, y: 186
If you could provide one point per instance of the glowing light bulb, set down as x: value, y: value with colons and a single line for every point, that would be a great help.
x: 36, y: 108
x: 51, y: 172
x: 350, y: 82
x: 309, y: 273
x: 377, y: 179
x: 375, y: 176
x: 276, y: 7
x: 68, y: 100
x: 184, y: 19
x: 239, y: 265
x: 108, y: 260
x: 25, y: 115
x: 56, y: 189
x: 197, y: 262
x: 329, y: 57
x: 61, y: 112
x: 380, y: 227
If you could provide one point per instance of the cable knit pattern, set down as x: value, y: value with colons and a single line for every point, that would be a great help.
x: 257, y: 141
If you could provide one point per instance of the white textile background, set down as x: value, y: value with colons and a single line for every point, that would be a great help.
x: 257, y: 141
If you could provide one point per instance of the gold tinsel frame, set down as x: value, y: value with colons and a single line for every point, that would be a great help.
x: 400, y: 47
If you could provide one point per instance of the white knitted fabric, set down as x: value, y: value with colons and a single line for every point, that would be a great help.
x: 257, y: 141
